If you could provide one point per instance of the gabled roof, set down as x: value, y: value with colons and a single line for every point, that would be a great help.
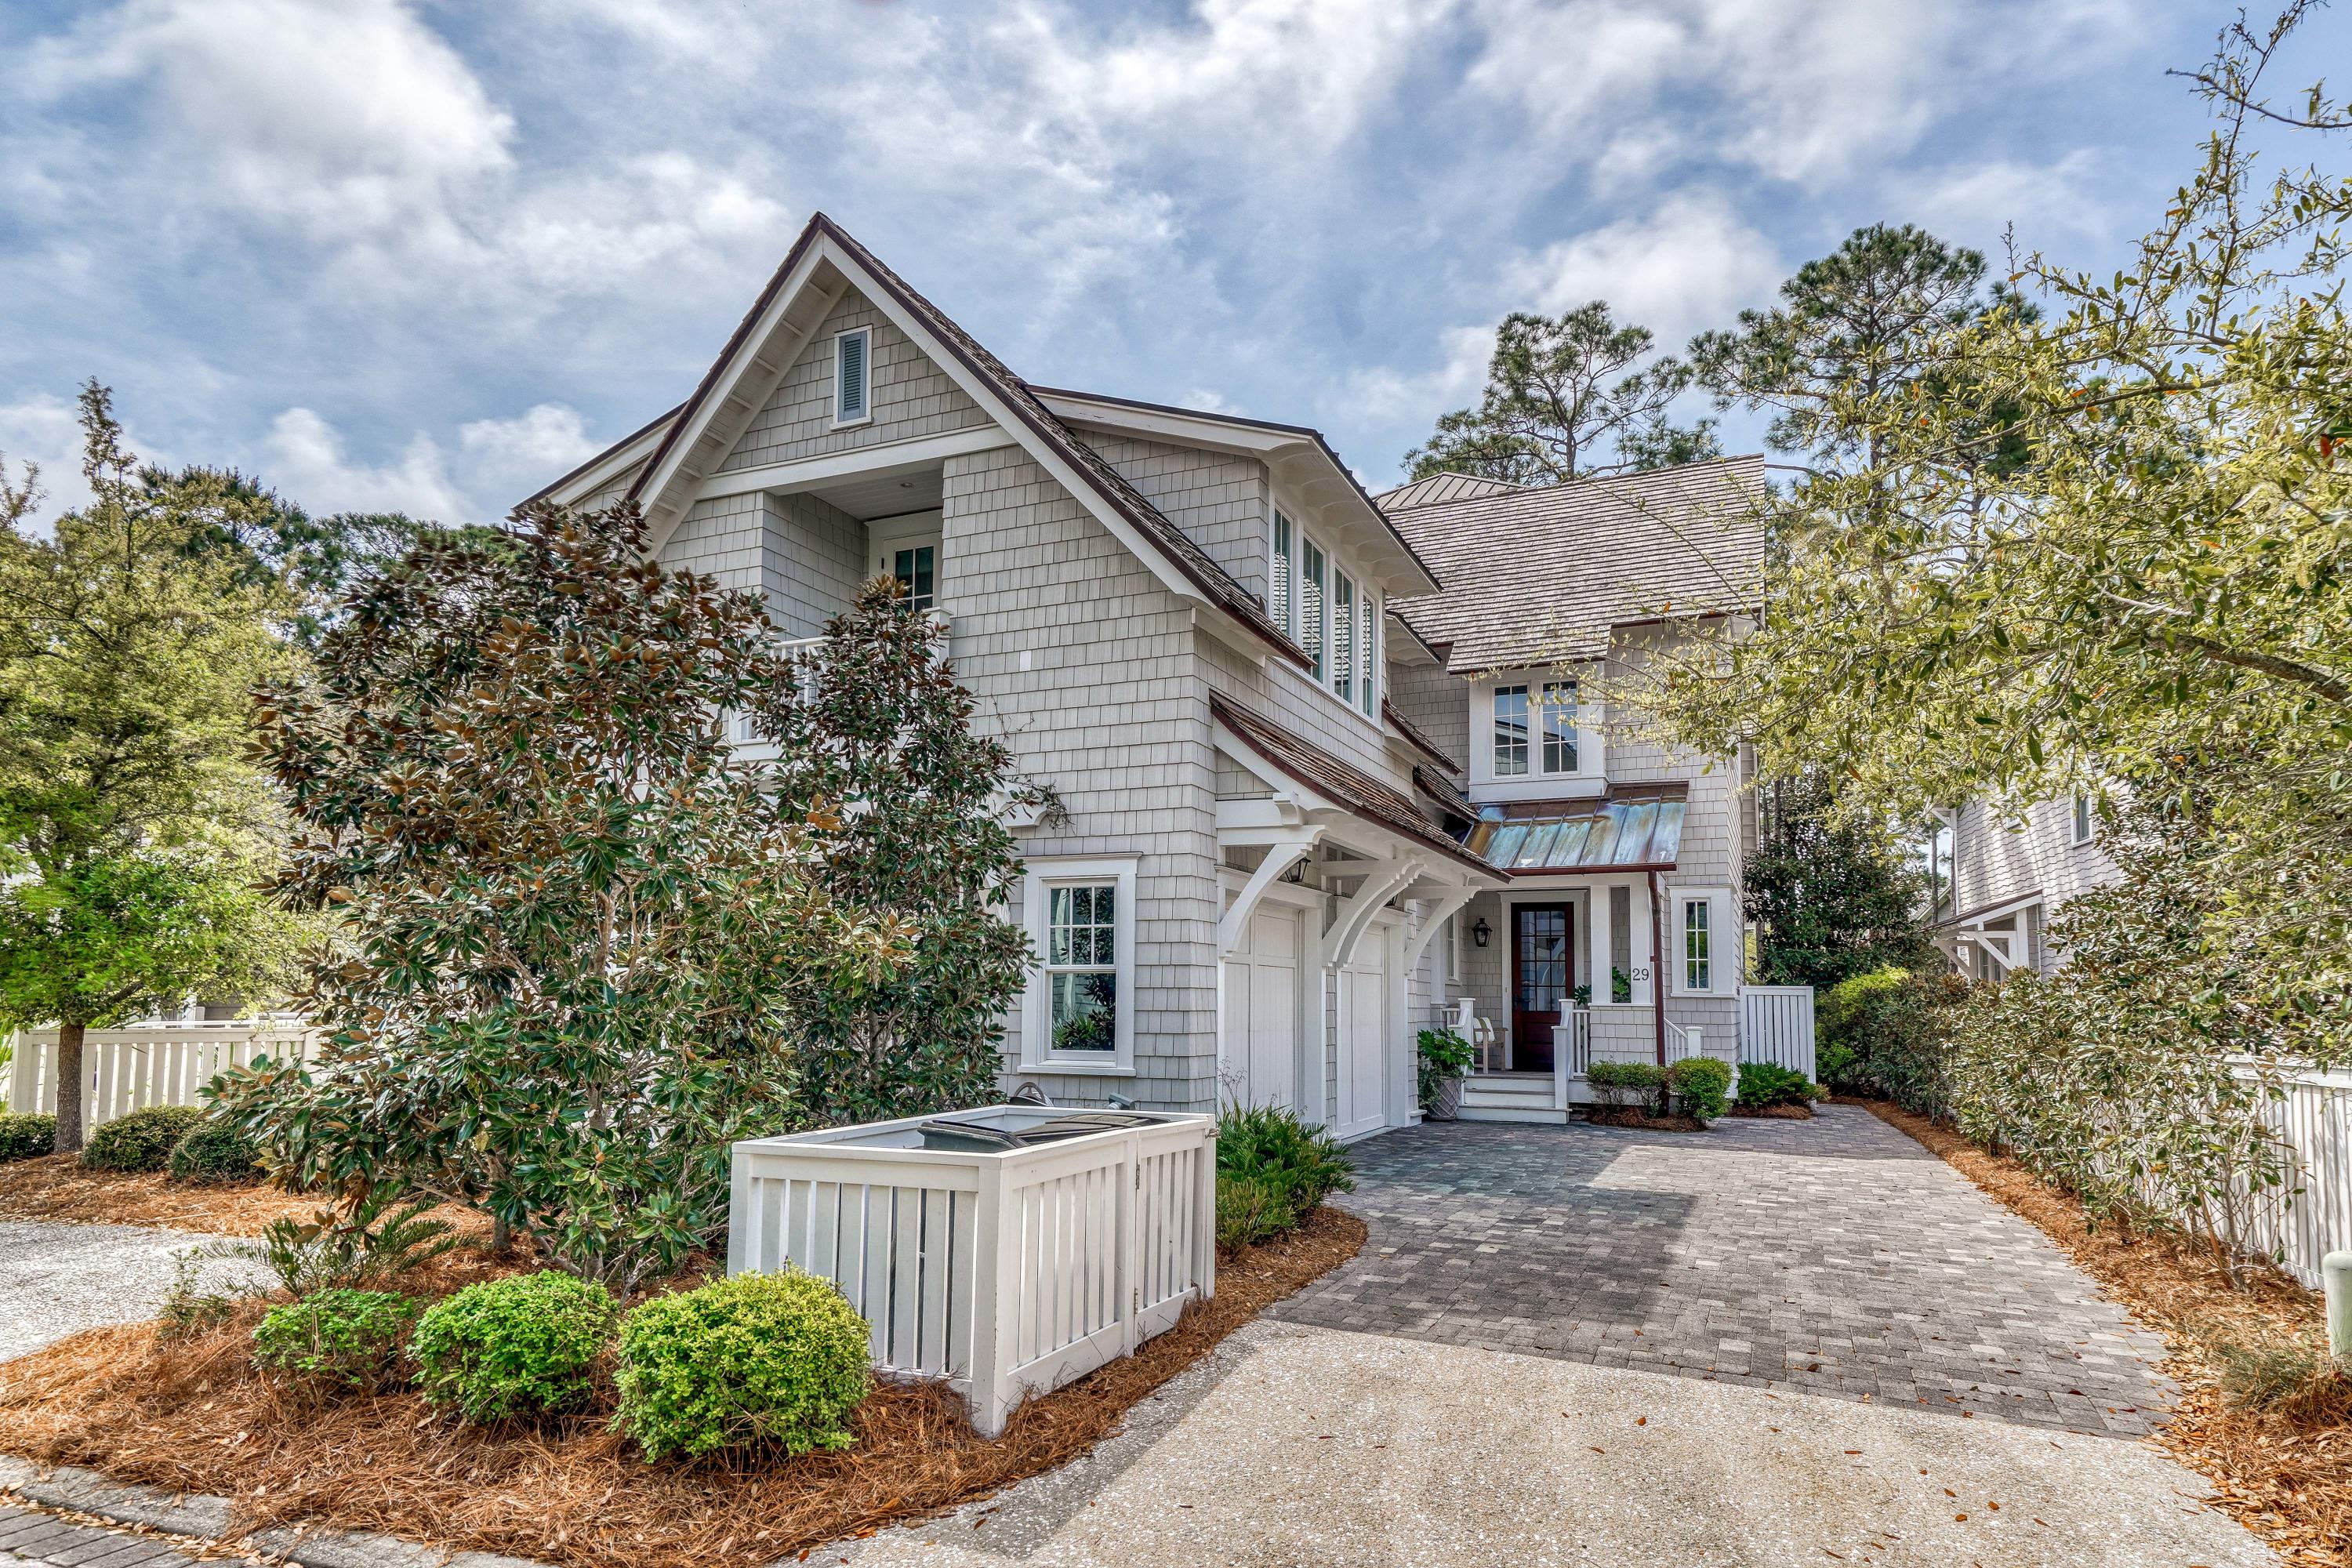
x: 1538, y: 575
x: 1344, y: 783
x: 1446, y: 794
x: 664, y: 483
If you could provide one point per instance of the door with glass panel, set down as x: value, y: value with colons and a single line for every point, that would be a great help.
x: 1541, y: 978
x: 907, y: 548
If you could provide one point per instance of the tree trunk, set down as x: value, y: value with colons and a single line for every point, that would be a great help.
x: 69, y: 1083
x: 502, y: 1236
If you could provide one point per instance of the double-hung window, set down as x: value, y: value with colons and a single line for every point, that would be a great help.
x: 1698, y: 945
x: 1559, y: 727
x: 1081, y: 918
x: 853, y: 355
x: 1510, y: 731
x: 1368, y: 653
x: 2083, y: 823
x: 1703, y: 937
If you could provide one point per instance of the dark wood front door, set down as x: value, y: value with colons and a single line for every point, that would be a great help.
x: 1539, y: 980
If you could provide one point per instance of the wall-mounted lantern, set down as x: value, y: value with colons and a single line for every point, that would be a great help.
x: 1480, y: 932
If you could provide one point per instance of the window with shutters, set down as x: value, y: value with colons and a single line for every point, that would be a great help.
x: 1280, y: 601
x: 1343, y: 635
x: 853, y: 355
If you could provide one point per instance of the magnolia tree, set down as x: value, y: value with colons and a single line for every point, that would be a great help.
x: 876, y: 726
x: 2103, y: 543
x: 578, y: 938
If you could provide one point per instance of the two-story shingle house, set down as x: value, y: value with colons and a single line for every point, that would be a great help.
x: 1997, y: 878
x: 1252, y: 689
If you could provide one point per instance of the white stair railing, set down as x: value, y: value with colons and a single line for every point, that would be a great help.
x: 1571, y: 1052
x: 1682, y: 1042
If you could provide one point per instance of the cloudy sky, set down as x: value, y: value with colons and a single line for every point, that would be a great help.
x: 392, y: 254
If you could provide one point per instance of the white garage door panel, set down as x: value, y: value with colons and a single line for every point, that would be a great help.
x: 1262, y: 1013
x: 1363, y: 1038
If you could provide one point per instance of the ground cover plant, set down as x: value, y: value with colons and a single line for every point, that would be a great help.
x: 193, y: 1414
x: 340, y: 1338
x: 757, y: 1364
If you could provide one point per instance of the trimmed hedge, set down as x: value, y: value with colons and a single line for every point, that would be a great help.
x: 141, y: 1141
x: 1627, y: 1083
x: 1885, y: 1033
x: 772, y: 1361
x: 28, y: 1136
x: 347, y: 1339
x: 515, y: 1346
x: 212, y: 1151
x: 1699, y: 1085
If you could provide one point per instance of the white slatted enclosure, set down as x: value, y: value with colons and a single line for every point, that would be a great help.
x: 1002, y: 1273
x: 132, y: 1069
x: 1776, y: 1025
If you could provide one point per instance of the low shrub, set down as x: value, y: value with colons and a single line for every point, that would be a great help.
x: 26, y: 1137
x: 773, y: 1362
x: 212, y: 1151
x: 1700, y: 1085
x: 1250, y: 1209
x: 1888, y: 1034
x: 1268, y: 1143
x: 1444, y: 1055
x: 1624, y: 1084
x: 191, y: 1307
x: 344, y: 1250
x: 514, y: 1346
x: 344, y: 1339
x: 1763, y: 1085
x: 141, y: 1141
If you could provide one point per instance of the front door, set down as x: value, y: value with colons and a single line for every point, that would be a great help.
x: 1539, y: 982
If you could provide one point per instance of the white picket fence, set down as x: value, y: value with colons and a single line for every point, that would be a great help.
x: 1004, y: 1274
x: 1776, y: 1025
x: 2310, y: 1215
x: 131, y: 1068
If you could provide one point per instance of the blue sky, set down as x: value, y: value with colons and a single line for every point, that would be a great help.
x: 391, y: 254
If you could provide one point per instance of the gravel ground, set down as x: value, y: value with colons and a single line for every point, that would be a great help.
x: 1299, y: 1445
x: 58, y: 1277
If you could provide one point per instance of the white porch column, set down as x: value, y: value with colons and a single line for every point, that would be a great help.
x: 1596, y: 938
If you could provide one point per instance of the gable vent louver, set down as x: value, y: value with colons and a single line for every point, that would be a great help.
x: 850, y: 376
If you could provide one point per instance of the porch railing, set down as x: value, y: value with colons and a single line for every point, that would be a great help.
x: 1571, y: 1052
x: 1682, y: 1042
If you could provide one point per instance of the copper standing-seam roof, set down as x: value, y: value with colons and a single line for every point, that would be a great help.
x: 1343, y: 782
x: 1632, y: 829
x: 1540, y: 576
x: 1412, y: 733
x: 1195, y: 563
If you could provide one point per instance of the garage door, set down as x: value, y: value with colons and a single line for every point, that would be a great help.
x: 1364, y: 1036
x: 1261, y: 1043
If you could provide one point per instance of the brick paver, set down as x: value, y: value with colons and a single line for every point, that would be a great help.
x: 32, y: 1538
x: 1833, y: 1256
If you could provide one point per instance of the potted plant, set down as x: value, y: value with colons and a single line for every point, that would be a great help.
x: 1445, y: 1058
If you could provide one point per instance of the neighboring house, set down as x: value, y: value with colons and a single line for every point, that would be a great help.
x: 1996, y: 879
x: 1185, y: 624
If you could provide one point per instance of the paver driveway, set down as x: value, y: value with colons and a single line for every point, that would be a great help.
x: 1834, y: 1255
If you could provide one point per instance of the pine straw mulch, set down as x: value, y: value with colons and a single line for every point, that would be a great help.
x: 1772, y: 1112
x: 195, y: 1417
x: 2285, y: 1472
x: 1631, y: 1116
x: 59, y: 1187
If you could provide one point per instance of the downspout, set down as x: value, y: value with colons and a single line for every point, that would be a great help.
x: 1658, y: 964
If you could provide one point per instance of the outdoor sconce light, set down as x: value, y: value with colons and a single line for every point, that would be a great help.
x: 1481, y: 931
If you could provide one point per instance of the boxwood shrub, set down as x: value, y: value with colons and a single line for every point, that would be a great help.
x: 26, y: 1137
x: 1700, y: 1084
x: 1625, y: 1084
x: 344, y: 1339
x: 141, y: 1141
x: 758, y: 1361
x: 515, y: 1346
x: 212, y: 1151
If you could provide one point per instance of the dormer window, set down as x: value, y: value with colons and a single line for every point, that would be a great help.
x: 1535, y: 738
x: 852, y: 353
x: 1333, y: 618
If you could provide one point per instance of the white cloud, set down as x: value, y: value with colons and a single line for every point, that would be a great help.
x: 308, y: 464
x: 507, y: 460
x: 1976, y: 202
x: 44, y: 433
x: 1383, y: 393
x: 1687, y: 265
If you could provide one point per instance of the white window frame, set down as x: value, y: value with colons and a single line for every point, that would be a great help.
x: 1287, y: 604
x: 1282, y: 573
x: 1037, y: 1053
x: 2082, y: 818
x: 864, y: 416
x: 1723, y: 947
x: 1591, y: 750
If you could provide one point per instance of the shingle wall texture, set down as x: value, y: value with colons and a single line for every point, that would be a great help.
x: 908, y: 393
